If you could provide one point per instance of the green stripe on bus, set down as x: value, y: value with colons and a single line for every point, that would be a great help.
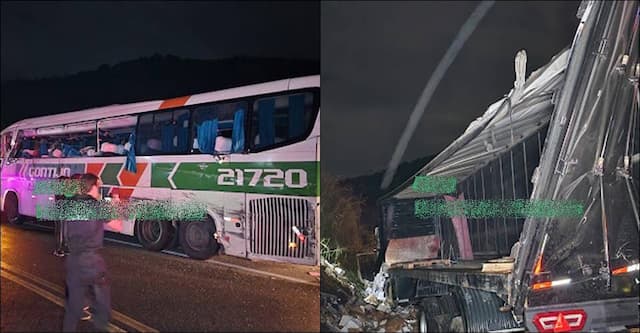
x: 160, y: 174
x: 281, y: 178
x: 109, y: 175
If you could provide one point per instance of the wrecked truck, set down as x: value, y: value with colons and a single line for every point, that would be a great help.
x: 569, y: 132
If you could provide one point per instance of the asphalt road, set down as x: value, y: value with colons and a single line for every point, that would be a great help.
x: 156, y: 291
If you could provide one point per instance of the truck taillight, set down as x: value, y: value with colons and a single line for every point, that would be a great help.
x: 560, y: 321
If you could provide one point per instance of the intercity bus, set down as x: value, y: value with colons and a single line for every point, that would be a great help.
x: 249, y: 155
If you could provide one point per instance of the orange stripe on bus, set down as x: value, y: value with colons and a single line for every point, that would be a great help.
x: 131, y: 179
x: 125, y: 193
x: 174, y: 102
x: 94, y: 168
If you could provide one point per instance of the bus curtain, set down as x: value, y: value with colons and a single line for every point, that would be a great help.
x: 266, y: 129
x: 130, y: 162
x: 183, y: 133
x: 168, y: 132
x: 177, y: 130
x: 44, y: 149
x: 237, y: 136
x: 69, y: 151
x: 296, y: 115
x: 207, y: 132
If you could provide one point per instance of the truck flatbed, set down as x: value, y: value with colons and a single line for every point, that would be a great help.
x: 467, y: 274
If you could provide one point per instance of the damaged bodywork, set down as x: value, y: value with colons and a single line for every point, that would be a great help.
x: 569, y: 132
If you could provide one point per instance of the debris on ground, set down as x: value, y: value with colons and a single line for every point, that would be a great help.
x: 345, y: 308
x: 375, y: 290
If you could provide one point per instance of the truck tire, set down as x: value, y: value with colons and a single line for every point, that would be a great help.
x: 11, y: 210
x: 480, y: 311
x: 154, y: 235
x: 197, y: 240
x: 457, y: 325
x: 427, y: 324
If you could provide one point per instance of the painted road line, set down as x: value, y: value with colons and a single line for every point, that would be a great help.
x: 47, y: 295
x: 122, y: 242
x: 175, y: 253
x: 256, y: 271
x: 44, y: 283
x: 116, y: 315
x: 140, y: 246
x: 217, y: 262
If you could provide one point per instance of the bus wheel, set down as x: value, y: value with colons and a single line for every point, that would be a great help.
x: 154, y: 235
x: 197, y: 240
x: 11, y: 209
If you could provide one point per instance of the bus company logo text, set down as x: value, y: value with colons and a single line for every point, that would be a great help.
x: 274, y: 178
x: 48, y: 172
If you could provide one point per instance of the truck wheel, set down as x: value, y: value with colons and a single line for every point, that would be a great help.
x: 457, y: 325
x: 427, y: 324
x: 11, y: 209
x: 154, y: 235
x: 389, y: 291
x: 197, y: 240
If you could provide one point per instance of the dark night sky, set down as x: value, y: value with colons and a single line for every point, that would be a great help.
x: 377, y: 57
x: 41, y: 39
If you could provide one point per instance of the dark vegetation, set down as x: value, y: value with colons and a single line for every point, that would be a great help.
x: 149, y: 78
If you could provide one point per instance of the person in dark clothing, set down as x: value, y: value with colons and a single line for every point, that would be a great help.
x: 60, y: 231
x: 70, y: 189
x: 84, y: 266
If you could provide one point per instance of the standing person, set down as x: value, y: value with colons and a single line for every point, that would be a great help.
x: 70, y: 189
x: 61, y: 244
x: 85, y: 267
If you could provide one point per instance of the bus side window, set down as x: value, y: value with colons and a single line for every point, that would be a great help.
x: 163, y: 132
x: 27, y: 147
x: 6, y: 145
x: 222, y: 140
x: 281, y: 119
x: 77, y: 144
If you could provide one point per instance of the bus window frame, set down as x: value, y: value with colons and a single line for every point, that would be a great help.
x: 227, y: 101
x: 315, y: 92
x: 18, y: 137
x: 5, y: 141
x: 154, y: 112
x: 249, y: 145
x: 18, y: 134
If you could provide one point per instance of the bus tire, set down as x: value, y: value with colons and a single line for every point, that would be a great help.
x: 11, y: 210
x: 154, y: 235
x: 197, y: 240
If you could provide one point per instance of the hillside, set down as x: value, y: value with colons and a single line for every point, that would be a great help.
x: 368, y: 187
x: 148, y: 78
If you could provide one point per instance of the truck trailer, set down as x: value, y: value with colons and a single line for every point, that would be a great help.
x: 569, y: 133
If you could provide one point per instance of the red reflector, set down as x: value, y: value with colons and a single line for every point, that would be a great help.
x: 542, y: 285
x: 619, y: 271
x: 562, y: 325
x: 560, y: 321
